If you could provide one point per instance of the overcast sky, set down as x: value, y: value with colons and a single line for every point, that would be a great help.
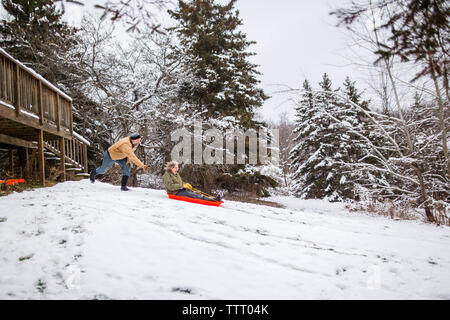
x: 296, y: 39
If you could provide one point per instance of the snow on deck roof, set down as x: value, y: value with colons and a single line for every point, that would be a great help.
x: 37, y: 75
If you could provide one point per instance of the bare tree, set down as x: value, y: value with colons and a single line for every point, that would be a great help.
x: 286, y: 136
x: 396, y: 13
x: 138, y: 15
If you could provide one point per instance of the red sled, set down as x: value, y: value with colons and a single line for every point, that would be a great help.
x: 11, y: 182
x: 199, y: 201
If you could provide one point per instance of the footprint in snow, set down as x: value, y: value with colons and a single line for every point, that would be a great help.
x: 262, y: 232
x: 341, y: 286
x: 393, y: 270
x: 41, y: 285
x: 101, y: 296
x: 27, y: 257
x: 28, y: 205
x: 77, y: 257
x: 76, y: 229
x: 185, y: 290
x: 341, y: 270
x: 430, y: 261
x: 382, y: 258
x: 39, y: 232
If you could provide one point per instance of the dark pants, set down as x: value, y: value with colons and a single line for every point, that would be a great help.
x: 191, y: 194
x: 108, y: 163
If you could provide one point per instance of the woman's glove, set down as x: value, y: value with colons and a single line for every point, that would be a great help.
x: 187, y: 186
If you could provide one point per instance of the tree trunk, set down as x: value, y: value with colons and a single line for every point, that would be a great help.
x: 25, y: 163
x: 424, y: 196
x: 441, y: 116
x: 423, y: 191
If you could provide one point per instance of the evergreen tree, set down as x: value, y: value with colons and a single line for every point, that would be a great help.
x: 216, y: 55
x: 355, y: 118
x: 326, y: 143
x: 304, y: 112
x: 351, y: 92
x: 308, y: 155
x: 221, y: 85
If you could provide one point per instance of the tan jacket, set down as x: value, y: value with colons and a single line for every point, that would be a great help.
x: 124, y: 149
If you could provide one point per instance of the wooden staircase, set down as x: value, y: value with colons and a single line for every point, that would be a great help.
x: 75, y: 155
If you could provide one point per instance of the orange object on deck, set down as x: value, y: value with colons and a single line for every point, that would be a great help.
x: 11, y: 182
x: 199, y: 201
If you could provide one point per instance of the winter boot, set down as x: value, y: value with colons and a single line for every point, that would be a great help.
x: 219, y: 196
x: 124, y: 183
x: 92, y: 176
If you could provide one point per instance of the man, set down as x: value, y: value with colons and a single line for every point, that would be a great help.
x: 122, y: 152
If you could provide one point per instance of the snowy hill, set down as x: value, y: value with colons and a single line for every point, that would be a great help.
x: 82, y: 241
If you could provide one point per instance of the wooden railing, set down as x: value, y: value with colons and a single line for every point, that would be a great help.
x: 75, y: 151
x: 8, y: 76
x: 30, y: 94
x: 27, y: 100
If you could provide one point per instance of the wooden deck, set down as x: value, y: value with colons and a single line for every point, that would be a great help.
x: 36, y: 114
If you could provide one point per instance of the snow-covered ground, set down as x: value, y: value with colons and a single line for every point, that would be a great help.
x: 82, y: 241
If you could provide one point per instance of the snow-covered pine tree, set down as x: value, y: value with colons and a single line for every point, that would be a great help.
x: 363, y: 138
x: 215, y: 52
x: 316, y: 175
x: 303, y: 129
x: 222, y: 85
x: 326, y: 143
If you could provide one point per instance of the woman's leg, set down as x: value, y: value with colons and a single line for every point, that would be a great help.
x: 191, y: 194
x: 106, y: 164
x: 126, y: 170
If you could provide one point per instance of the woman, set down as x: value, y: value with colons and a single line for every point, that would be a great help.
x: 175, y: 185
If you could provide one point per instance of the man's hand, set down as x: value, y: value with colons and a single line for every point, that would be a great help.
x: 187, y: 186
x: 146, y: 168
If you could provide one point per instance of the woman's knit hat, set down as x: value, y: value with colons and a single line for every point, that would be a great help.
x: 135, y: 136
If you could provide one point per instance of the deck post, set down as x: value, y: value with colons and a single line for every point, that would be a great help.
x: 16, y: 89
x: 40, y: 104
x: 72, y: 149
x: 25, y: 163
x: 58, y: 111
x: 85, y: 162
x: 11, y: 162
x: 41, y: 159
x: 71, y: 119
x: 62, y: 151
